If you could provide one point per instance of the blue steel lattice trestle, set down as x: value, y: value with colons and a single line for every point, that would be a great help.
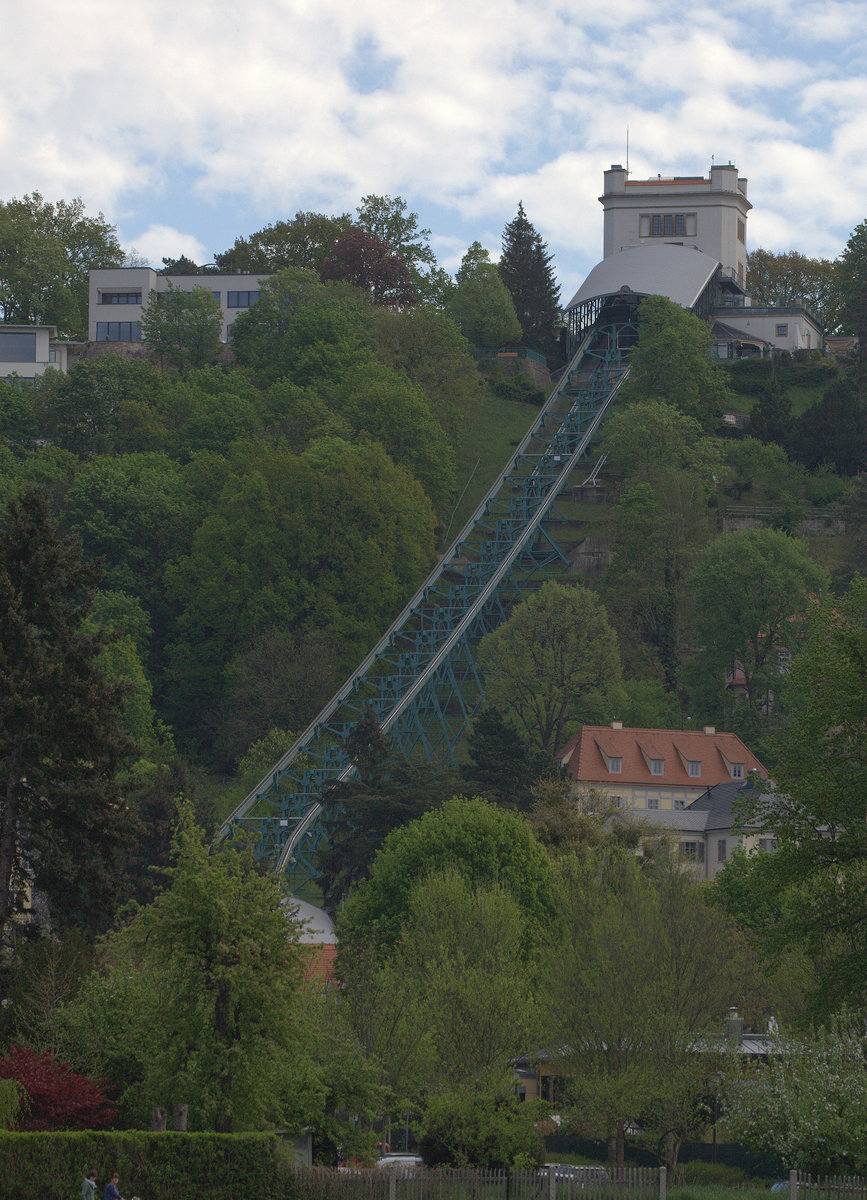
x: 421, y: 679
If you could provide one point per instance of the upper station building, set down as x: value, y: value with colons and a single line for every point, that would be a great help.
x: 709, y: 214
x: 685, y: 237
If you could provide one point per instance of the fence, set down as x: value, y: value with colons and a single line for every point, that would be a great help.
x: 547, y: 1183
x: 826, y: 1187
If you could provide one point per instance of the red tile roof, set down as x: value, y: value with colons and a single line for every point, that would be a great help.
x: 586, y: 753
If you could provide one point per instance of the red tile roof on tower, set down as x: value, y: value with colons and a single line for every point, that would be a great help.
x: 587, y: 755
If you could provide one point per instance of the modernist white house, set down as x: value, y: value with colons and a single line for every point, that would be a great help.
x: 119, y: 294
x: 29, y: 350
x: 685, y: 237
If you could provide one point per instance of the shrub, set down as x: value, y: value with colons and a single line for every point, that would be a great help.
x: 160, y: 1166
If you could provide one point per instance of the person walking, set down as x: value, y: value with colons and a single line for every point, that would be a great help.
x: 111, y: 1192
x: 88, y: 1186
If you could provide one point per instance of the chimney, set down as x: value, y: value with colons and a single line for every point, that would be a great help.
x: 734, y: 1027
x: 616, y: 724
x: 710, y: 730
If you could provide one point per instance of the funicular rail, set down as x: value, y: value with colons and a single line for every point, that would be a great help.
x: 421, y: 679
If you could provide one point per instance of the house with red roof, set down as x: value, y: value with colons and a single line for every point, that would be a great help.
x: 655, y: 770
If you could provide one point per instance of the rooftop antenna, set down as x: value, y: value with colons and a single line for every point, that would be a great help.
x: 627, y: 149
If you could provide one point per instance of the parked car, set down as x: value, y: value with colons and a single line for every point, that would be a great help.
x: 577, y: 1173
x: 404, y: 1164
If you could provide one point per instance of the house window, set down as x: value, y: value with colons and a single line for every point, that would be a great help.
x: 692, y: 851
x: 737, y: 770
x: 653, y: 803
x: 615, y: 766
x: 742, y: 231
x: 241, y: 299
x: 657, y: 766
x: 217, y: 296
x: 668, y: 225
x: 679, y: 803
x: 120, y: 298
x: 18, y: 347
x: 694, y: 769
x: 768, y: 844
x: 782, y: 331
x: 118, y: 331
x: 721, y: 850
x: 617, y: 801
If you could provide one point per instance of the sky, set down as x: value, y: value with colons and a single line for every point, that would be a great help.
x: 191, y: 122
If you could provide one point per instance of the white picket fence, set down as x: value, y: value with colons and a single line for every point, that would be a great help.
x: 630, y: 1183
x: 826, y: 1187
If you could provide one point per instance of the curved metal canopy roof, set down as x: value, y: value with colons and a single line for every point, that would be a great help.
x: 679, y: 272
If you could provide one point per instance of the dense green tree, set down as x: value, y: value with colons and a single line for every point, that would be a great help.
x: 218, y: 949
x: 133, y: 510
x: 102, y: 406
x: 641, y: 967
x: 46, y: 251
x: 672, y: 362
x: 62, y: 820
x: 814, y: 888
x: 553, y: 663
x: 489, y: 1128
x: 334, y: 539
x: 752, y: 590
x: 305, y: 241
x: 789, y: 277
x: 486, y: 844
x: 182, y: 327
x: 480, y: 304
x: 525, y: 267
x: 463, y: 944
x: 295, y: 311
x: 425, y: 343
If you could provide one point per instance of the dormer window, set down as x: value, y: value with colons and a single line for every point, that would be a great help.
x: 615, y: 765
x: 737, y: 770
x: 657, y: 766
x: 694, y: 769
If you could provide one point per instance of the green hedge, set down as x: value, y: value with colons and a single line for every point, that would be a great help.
x: 154, y: 1166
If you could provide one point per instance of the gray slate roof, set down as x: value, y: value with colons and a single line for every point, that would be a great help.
x: 679, y: 272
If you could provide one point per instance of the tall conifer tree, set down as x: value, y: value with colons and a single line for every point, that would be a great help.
x: 62, y: 820
x: 525, y: 266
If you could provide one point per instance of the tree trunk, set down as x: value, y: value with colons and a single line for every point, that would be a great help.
x: 180, y: 1118
x: 158, y: 1119
x: 8, y: 845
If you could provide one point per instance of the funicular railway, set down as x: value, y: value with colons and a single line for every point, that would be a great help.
x: 421, y: 679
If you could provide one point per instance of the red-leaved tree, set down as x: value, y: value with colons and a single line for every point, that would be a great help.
x: 369, y: 262
x: 56, y: 1098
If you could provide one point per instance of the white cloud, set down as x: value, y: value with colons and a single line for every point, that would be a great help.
x: 162, y: 241
x: 153, y: 111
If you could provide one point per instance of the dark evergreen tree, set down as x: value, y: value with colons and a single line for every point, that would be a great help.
x: 63, y: 822
x: 387, y: 792
x: 771, y: 419
x: 834, y: 430
x: 525, y: 266
x: 503, y: 764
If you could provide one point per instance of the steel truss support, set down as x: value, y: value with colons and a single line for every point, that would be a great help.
x: 421, y: 679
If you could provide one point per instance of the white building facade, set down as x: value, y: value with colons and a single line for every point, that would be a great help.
x: 118, y: 296
x: 709, y: 214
